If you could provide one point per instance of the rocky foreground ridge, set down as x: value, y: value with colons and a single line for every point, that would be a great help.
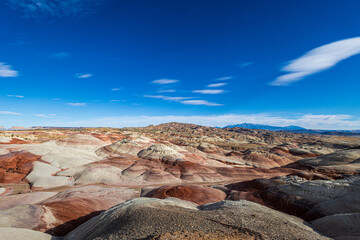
x: 178, y: 181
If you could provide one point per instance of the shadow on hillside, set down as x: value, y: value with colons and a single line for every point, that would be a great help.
x: 65, y: 228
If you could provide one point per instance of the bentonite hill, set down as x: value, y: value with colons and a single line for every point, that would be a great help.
x: 178, y: 181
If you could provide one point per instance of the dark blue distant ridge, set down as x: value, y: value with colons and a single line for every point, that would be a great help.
x: 266, y: 127
x: 295, y: 129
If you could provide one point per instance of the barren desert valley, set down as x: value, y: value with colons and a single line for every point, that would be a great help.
x: 179, y: 120
x: 178, y: 181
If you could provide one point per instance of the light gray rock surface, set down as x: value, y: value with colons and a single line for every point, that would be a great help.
x: 347, y: 161
x: 146, y: 218
x: 339, y: 226
x: 23, y: 234
x: 160, y: 152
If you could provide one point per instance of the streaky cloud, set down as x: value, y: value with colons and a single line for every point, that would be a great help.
x: 77, y: 104
x: 86, y: 75
x: 209, y: 91
x: 10, y: 113
x: 165, y: 81
x: 245, y: 64
x: 317, y: 60
x: 167, y: 91
x: 216, y: 85
x: 184, y: 100
x: 200, y: 102
x: 173, y: 99
x: 6, y: 71
x: 46, y: 115
x: 16, y: 96
x: 224, y: 78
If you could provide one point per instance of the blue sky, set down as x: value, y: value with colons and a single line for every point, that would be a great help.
x: 134, y: 63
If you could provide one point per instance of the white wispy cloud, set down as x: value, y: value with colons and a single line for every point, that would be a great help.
x: 10, y: 113
x: 224, y: 78
x: 51, y: 115
x: 6, y: 71
x: 61, y: 55
x: 167, y: 98
x: 167, y: 91
x: 311, y: 121
x: 200, y: 102
x: 245, y: 64
x: 115, y: 89
x: 317, y: 60
x: 77, y: 104
x: 55, y: 8
x: 184, y: 100
x: 209, y: 91
x: 164, y: 81
x: 114, y: 100
x: 216, y: 85
x: 85, y: 75
x: 16, y: 96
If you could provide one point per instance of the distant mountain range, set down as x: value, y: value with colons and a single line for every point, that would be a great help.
x: 266, y: 127
x: 291, y: 128
x: 295, y: 129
